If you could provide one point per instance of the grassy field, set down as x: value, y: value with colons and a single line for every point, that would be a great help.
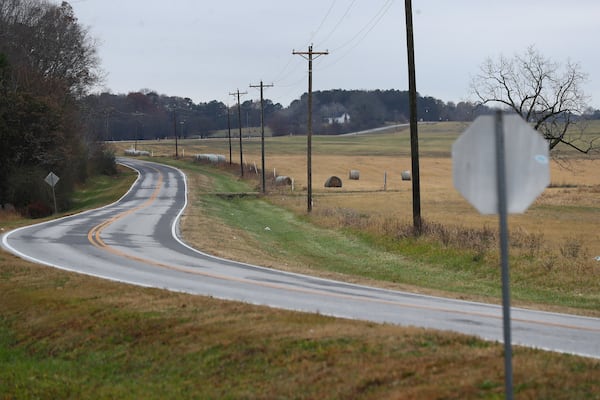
x: 554, y: 244
x: 68, y: 336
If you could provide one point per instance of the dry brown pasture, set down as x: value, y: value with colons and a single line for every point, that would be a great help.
x: 569, y: 210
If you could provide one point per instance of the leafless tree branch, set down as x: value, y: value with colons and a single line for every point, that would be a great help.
x: 545, y: 93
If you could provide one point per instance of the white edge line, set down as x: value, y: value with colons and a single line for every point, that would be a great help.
x: 175, y: 224
x: 14, y: 251
x: 175, y: 236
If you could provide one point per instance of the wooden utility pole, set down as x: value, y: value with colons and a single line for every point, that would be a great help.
x: 229, y: 132
x: 240, y: 129
x: 414, y: 136
x: 308, y: 55
x: 262, y: 133
x: 175, y: 132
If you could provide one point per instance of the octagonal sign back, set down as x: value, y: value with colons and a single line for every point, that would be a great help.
x: 526, y: 160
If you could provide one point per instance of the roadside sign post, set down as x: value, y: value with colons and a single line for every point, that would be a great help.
x: 51, y: 179
x: 500, y: 165
x: 503, y: 217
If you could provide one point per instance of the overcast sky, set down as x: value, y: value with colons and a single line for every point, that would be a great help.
x: 205, y: 49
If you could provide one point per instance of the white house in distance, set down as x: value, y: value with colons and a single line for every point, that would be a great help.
x: 342, y: 119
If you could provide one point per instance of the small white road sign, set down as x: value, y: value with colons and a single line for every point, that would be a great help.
x: 51, y: 179
x: 474, y: 164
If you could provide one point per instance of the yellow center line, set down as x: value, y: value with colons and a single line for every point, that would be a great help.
x: 94, y: 237
x: 94, y: 233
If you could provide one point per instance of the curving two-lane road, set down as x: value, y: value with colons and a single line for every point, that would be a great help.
x: 135, y: 240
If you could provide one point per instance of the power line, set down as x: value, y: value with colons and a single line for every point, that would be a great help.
x: 353, y: 42
x: 337, y: 25
x: 312, y: 36
x: 369, y: 25
x: 364, y: 31
x: 282, y: 71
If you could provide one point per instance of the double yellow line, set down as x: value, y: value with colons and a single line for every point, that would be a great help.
x: 94, y: 237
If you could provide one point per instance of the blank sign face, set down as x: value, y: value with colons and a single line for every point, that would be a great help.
x: 51, y: 179
x: 474, y: 164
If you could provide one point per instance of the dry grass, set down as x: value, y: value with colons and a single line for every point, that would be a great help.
x: 70, y: 336
x: 64, y: 335
x: 559, y: 233
x: 240, y: 245
x: 9, y: 215
x: 559, y: 214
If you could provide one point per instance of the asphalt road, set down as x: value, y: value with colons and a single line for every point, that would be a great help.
x: 135, y: 241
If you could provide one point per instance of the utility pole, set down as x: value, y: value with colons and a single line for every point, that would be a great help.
x: 414, y: 137
x: 308, y: 55
x: 229, y: 132
x: 240, y: 128
x: 262, y: 133
x: 175, y: 132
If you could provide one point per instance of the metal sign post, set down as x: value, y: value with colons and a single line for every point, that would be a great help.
x: 503, y: 217
x: 500, y: 165
x: 51, y: 179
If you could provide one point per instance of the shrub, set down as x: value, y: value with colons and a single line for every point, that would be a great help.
x: 103, y: 161
x: 37, y: 209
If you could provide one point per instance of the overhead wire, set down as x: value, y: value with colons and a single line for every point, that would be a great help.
x: 293, y: 87
x: 282, y: 75
x: 369, y: 25
x: 349, y: 45
x: 312, y: 36
x: 364, y: 31
x: 339, y: 22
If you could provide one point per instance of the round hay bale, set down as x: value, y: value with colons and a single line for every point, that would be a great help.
x: 136, y: 153
x: 354, y: 174
x: 213, y: 158
x: 333, y: 181
x: 210, y: 158
x: 283, y: 181
x: 405, y: 175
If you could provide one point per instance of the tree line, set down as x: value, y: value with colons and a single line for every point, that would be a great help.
x: 47, y: 64
x: 148, y: 115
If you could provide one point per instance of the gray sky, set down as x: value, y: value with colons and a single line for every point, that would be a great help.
x: 204, y: 49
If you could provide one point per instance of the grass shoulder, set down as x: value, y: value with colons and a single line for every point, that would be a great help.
x: 97, y: 191
x: 100, y: 190
x: 65, y: 335
x: 257, y: 230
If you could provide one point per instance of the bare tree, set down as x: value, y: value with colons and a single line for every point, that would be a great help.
x: 544, y: 92
x: 45, y: 39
